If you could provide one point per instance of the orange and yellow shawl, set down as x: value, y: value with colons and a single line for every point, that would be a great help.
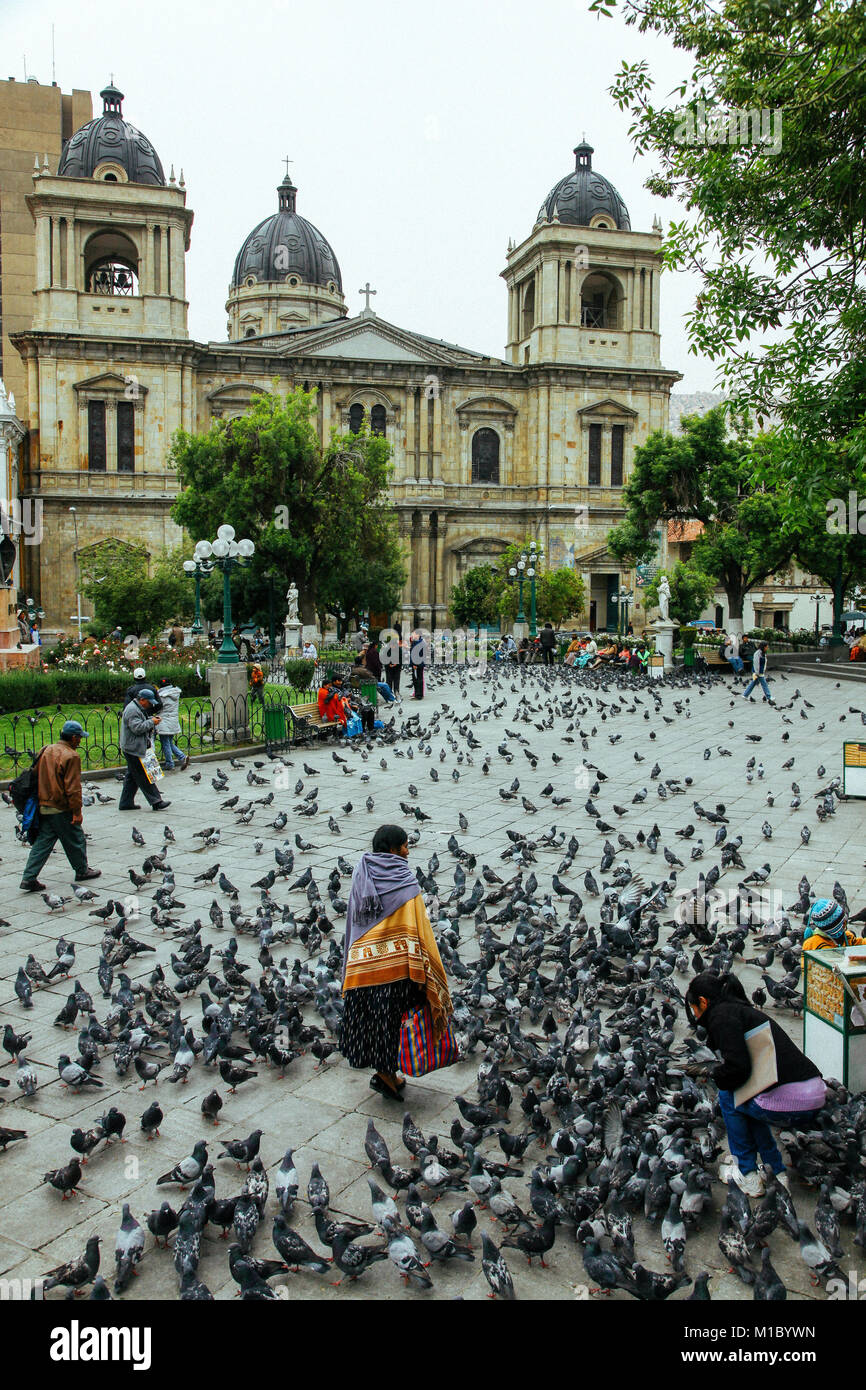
x: 402, y: 944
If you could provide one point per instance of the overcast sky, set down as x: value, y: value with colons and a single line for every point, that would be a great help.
x: 422, y: 138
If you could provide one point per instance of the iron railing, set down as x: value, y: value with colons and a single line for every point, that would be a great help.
x: 207, y: 726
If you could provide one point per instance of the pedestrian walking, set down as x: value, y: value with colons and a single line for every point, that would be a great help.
x: 391, y: 962
x: 169, y: 725
x: 719, y: 1004
x: 392, y: 662
x: 417, y: 659
x: 139, y: 681
x: 759, y: 667
x: 59, y: 794
x: 547, y: 644
x: 136, y: 727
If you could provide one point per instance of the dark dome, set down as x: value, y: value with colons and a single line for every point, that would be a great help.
x: 583, y: 195
x: 286, y: 245
x: 109, y: 136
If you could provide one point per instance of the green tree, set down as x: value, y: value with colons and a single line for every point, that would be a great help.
x: 702, y: 475
x: 475, y: 598
x: 773, y: 202
x: 129, y: 592
x: 691, y: 591
x: 823, y: 518
x: 317, y: 515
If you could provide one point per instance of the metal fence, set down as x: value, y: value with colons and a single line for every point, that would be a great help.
x: 207, y: 726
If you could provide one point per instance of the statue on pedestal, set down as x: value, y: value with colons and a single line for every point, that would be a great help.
x: 665, y: 599
x: 292, y: 600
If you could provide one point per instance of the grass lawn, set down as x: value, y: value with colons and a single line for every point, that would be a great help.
x: 30, y: 730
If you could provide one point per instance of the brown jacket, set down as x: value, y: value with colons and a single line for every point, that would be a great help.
x: 59, y: 778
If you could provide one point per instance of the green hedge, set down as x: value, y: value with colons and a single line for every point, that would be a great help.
x: 28, y: 689
x: 300, y: 672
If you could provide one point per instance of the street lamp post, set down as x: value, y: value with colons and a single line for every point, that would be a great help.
x: 198, y: 569
x: 535, y: 558
x: 817, y: 599
x: 516, y: 572
x: 77, y: 573
x: 227, y: 554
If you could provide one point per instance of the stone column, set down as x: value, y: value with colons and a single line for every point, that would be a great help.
x: 421, y: 450
x: 55, y: 251
x: 435, y: 464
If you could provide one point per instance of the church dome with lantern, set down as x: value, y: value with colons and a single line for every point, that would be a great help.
x: 286, y: 275
x: 585, y: 198
x: 110, y: 148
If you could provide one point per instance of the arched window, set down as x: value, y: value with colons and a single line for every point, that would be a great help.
x: 250, y: 333
x: 601, y: 301
x: 356, y: 417
x: 377, y: 420
x: 528, y: 307
x: 485, y: 456
x: 111, y: 264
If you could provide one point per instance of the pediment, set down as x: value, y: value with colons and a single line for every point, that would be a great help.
x: 364, y: 340
x: 112, y: 384
x: 610, y: 408
x: 232, y: 390
x: 486, y: 405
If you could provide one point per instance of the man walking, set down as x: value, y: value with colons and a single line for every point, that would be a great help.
x: 547, y: 643
x: 759, y: 667
x: 136, y: 727
x: 59, y: 792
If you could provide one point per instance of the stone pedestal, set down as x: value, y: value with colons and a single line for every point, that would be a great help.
x: 292, y: 634
x: 664, y: 639
x: 519, y: 631
x: 229, y: 692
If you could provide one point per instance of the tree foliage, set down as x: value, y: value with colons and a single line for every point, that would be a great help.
x: 129, y: 592
x: 691, y: 591
x: 474, y: 600
x: 702, y: 475
x: 773, y: 226
x: 318, y: 516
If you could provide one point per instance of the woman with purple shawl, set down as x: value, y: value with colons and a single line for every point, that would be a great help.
x: 391, y: 962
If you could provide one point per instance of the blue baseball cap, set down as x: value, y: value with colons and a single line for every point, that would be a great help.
x: 72, y: 727
x: 146, y: 694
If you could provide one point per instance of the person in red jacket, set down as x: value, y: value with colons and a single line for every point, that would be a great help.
x: 333, y: 705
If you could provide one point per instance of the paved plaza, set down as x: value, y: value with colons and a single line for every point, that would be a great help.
x: 322, y: 1113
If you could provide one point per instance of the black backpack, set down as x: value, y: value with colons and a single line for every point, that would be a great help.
x: 24, y: 787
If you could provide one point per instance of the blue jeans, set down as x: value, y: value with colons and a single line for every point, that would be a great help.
x: 170, y: 750
x: 749, y: 1132
x: 753, y: 682
x: 386, y: 692
x: 737, y: 663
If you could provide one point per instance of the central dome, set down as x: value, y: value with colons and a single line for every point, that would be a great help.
x: 113, y: 143
x: 288, y: 249
x: 584, y: 195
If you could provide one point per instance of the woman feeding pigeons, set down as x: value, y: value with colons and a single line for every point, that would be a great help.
x: 719, y: 1004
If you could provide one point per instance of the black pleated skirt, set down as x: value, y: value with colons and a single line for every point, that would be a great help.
x: 372, y: 1018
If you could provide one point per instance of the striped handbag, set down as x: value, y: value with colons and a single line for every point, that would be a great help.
x: 418, y: 1052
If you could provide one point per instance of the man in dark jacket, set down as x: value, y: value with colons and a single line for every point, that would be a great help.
x: 59, y: 792
x: 136, y: 728
x: 547, y: 642
x: 139, y: 683
x: 719, y: 1003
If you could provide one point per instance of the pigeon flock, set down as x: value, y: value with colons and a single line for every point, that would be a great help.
x: 180, y: 1061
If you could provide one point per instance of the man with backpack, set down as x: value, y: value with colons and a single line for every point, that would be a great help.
x: 58, y: 792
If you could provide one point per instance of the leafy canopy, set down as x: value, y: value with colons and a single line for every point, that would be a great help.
x: 762, y: 146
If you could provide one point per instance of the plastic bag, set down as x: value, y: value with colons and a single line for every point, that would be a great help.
x: 354, y: 726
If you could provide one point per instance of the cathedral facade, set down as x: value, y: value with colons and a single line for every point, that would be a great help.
x: 485, y: 450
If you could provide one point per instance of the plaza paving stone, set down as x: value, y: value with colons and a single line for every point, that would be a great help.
x: 322, y: 1112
